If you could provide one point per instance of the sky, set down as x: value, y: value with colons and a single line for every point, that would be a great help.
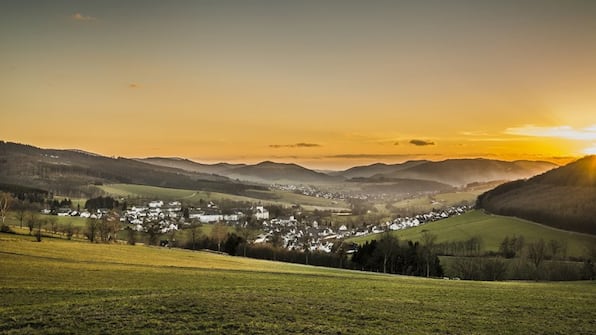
x: 325, y: 84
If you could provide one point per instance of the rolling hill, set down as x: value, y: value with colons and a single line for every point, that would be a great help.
x: 70, y: 172
x: 492, y: 229
x: 268, y: 172
x: 63, y: 287
x: 564, y: 198
x: 191, y: 166
x: 460, y: 172
x: 377, y: 168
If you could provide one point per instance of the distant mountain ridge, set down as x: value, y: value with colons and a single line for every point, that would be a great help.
x: 71, y: 172
x: 61, y: 170
x: 564, y: 198
x: 268, y: 171
x: 460, y: 172
x: 188, y: 165
x: 377, y: 168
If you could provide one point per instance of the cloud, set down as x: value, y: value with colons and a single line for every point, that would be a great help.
x: 296, y: 145
x: 421, y: 142
x: 133, y: 85
x: 378, y: 156
x: 80, y: 17
x: 565, y: 132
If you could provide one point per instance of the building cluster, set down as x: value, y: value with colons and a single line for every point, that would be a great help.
x: 287, y: 232
x: 313, y: 236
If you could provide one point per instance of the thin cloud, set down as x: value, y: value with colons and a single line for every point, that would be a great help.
x: 133, y: 85
x: 80, y: 17
x: 421, y: 142
x: 296, y: 145
x: 565, y: 132
x: 378, y: 156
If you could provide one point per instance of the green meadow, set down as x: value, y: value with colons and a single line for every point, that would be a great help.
x: 193, y: 197
x: 492, y: 229
x: 66, y: 287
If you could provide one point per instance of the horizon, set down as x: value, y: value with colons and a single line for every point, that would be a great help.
x: 326, y: 86
x: 559, y: 161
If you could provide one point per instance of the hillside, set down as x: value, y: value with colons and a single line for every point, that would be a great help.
x: 63, y: 287
x: 191, y: 166
x: 377, y: 168
x: 271, y: 172
x: 70, y: 172
x: 460, y: 172
x: 492, y: 229
x: 564, y: 198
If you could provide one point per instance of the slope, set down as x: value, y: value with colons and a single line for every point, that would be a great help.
x: 271, y: 172
x: 63, y: 287
x: 492, y: 229
x: 69, y: 172
x: 191, y: 166
x: 460, y: 172
x: 564, y: 198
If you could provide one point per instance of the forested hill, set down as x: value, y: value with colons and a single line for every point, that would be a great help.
x: 70, y: 172
x: 564, y: 198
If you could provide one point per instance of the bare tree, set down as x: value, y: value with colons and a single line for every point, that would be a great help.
x: 32, y: 219
x: 195, y: 233
x: 537, y: 252
x: 428, y: 244
x: 218, y: 233
x: 248, y: 232
x: 92, y: 228
x: 5, y: 203
x: 276, y: 242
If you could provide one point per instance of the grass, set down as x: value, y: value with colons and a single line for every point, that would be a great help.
x: 493, y: 229
x: 64, y: 287
x: 193, y: 197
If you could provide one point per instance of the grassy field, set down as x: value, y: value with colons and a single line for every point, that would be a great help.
x: 492, y: 229
x: 190, y: 196
x: 67, y: 287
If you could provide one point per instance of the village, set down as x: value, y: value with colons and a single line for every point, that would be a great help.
x: 293, y: 233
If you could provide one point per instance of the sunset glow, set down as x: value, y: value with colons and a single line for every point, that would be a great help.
x: 324, y: 84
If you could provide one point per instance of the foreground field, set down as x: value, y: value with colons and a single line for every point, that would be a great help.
x: 492, y: 229
x: 66, y: 287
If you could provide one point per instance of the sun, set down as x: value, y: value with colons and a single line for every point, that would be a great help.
x: 591, y: 150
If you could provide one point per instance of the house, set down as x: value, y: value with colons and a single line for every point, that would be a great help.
x: 261, y: 213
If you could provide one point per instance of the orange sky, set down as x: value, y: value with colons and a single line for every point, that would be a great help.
x: 326, y: 85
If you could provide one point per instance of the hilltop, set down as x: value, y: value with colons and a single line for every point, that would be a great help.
x: 460, y: 172
x: 191, y: 166
x: 564, y: 198
x: 70, y: 172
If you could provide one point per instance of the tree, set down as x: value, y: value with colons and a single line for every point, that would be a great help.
x: 32, y: 219
x: 195, y: 233
x: 69, y: 231
x: 428, y: 243
x: 92, y: 228
x: 218, y: 233
x: 53, y: 224
x: 276, y: 242
x: 536, y: 254
x: 131, y: 236
x: 153, y: 228
x: 248, y: 232
x: 39, y: 224
x: 388, y: 246
x: 5, y: 203
x: 21, y: 210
